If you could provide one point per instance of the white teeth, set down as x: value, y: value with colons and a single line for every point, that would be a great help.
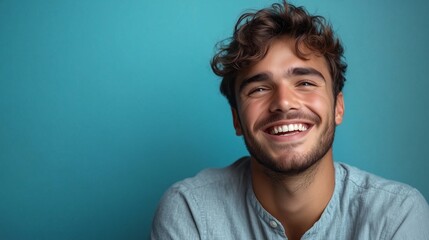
x: 275, y: 130
x: 289, y: 128
x: 285, y: 128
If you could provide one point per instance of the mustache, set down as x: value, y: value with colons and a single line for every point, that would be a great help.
x: 279, y: 116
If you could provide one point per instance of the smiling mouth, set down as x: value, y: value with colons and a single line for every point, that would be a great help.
x: 288, y: 129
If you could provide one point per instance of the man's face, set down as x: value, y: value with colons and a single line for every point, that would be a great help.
x: 286, y: 110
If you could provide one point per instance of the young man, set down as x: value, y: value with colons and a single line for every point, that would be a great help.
x: 283, y: 74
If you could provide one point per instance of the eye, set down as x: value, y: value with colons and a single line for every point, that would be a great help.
x: 306, y: 83
x: 257, y: 91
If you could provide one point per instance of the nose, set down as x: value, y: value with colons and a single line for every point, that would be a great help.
x: 284, y: 99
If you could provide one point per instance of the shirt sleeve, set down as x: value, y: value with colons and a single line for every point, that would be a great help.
x: 412, y: 218
x: 175, y: 217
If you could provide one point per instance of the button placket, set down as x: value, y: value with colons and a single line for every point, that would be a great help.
x: 273, y: 224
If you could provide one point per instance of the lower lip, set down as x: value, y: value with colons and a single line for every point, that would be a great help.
x: 290, y: 137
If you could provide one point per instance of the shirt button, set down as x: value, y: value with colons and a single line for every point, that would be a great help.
x: 273, y: 224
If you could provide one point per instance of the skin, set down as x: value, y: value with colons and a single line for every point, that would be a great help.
x: 292, y: 174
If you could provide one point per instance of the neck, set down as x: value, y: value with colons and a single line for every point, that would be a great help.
x: 296, y: 201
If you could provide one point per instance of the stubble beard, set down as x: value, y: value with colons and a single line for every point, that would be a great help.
x: 294, y: 163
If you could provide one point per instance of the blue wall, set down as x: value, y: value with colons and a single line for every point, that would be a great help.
x: 104, y: 104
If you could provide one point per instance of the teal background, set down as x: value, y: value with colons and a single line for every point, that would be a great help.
x: 104, y: 104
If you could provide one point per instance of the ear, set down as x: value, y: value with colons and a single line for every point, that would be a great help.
x: 236, y: 122
x: 339, y: 109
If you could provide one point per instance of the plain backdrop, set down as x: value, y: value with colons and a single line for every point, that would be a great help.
x: 106, y: 103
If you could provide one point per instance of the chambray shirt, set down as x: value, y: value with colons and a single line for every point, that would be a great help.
x: 220, y: 204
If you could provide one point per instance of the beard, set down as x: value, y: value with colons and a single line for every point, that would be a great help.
x: 292, y: 163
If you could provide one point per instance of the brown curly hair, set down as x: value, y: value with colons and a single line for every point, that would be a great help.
x: 252, y: 36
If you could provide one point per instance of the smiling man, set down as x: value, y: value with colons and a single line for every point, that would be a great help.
x: 283, y: 74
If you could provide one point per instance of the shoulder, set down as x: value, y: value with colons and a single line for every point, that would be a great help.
x: 187, y: 205
x: 214, y: 176
x: 363, y: 182
x: 396, y: 208
x: 359, y: 184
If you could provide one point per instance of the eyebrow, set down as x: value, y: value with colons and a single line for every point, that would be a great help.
x: 304, y: 71
x: 260, y: 77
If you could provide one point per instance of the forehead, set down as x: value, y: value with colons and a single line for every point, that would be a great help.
x: 282, y: 56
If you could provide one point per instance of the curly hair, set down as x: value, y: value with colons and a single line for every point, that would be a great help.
x: 254, y: 32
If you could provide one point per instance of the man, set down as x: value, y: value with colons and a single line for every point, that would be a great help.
x: 283, y: 74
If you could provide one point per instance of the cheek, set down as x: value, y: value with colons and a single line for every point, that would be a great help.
x: 250, y: 111
x: 319, y: 103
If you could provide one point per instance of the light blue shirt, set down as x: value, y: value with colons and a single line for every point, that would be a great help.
x: 220, y: 204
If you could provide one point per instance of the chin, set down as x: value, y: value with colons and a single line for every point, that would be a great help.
x: 291, y: 165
